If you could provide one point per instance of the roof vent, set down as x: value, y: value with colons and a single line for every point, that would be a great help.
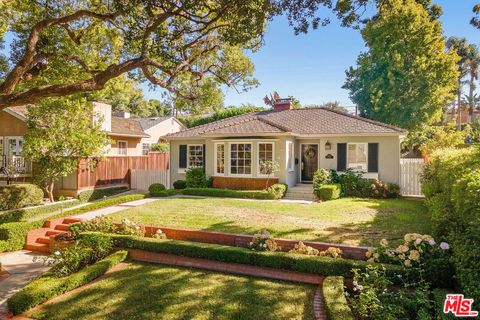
x: 282, y: 104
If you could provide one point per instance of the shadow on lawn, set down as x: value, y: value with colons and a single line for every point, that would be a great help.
x: 233, y: 227
x: 148, y: 291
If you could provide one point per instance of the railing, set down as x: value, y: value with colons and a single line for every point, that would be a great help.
x: 21, y: 165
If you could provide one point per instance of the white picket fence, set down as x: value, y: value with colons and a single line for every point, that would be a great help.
x: 410, y: 176
x: 141, y: 179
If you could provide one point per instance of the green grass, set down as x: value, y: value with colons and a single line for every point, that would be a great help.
x: 148, y: 291
x: 347, y: 220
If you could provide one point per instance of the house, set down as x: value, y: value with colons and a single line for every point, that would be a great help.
x: 300, y: 140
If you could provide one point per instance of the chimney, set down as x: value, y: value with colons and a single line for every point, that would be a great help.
x: 103, y: 115
x: 122, y: 114
x: 282, y: 104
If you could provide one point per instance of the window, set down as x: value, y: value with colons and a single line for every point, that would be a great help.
x: 241, y: 158
x: 290, y: 156
x: 195, y: 155
x: 122, y: 147
x: 219, y: 158
x: 357, y: 156
x: 265, y: 153
x: 146, y: 147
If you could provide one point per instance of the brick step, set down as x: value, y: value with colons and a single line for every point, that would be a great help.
x: 44, y: 240
x: 71, y: 220
x: 53, y: 232
x: 63, y: 227
x: 39, y: 247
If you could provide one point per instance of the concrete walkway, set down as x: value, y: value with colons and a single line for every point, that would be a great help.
x: 22, y: 270
x: 109, y: 210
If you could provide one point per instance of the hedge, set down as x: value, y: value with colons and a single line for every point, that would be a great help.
x: 164, y: 193
x: 94, y: 194
x: 16, y: 196
x: 47, y: 286
x: 438, y: 302
x: 336, y: 304
x: 276, y: 191
x: 329, y: 192
x: 12, y: 235
x: 279, y: 260
x: 27, y: 213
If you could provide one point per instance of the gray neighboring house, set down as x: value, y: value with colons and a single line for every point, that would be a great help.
x: 300, y: 140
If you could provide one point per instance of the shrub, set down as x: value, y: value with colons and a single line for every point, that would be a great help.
x: 106, y: 225
x: 320, y: 178
x: 226, y: 193
x: 179, y: 184
x: 329, y: 192
x: 165, y: 193
x: 336, y: 305
x: 263, y: 241
x: 196, y: 178
x: 160, y: 147
x: 47, y: 286
x: 438, y: 302
x: 94, y: 194
x: 278, y: 260
x: 156, y: 188
x: 15, y: 196
x: 279, y: 190
x: 27, y: 213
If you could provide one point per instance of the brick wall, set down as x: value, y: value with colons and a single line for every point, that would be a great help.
x: 242, y: 183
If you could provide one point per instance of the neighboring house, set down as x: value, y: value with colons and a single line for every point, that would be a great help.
x: 130, y: 136
x: 300, y: 140
x: 464, y: 115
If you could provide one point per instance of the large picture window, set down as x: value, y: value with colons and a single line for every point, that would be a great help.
x: 265, y: 153
x: 220, y: 158
x: 195, y: 155
x: 357, y: 156
x: 241, y: 158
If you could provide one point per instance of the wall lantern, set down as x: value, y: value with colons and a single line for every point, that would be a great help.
x: 328, y: 146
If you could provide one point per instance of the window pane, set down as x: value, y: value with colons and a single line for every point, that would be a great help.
x: 240, y: 158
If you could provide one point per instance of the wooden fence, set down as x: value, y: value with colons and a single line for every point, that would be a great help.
x: 411, y: 171
x: 117, y: 169
x: 141, y: 179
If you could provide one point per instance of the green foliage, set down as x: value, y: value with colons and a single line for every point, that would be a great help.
x: 48, y: 286
x: 55, y: 148
x: 320, y: 177
x: 441, y: 137
x: 156, y: 188
x: 276, y: 191
x: 180, y: 184
x: 165, y: 193
x: 161, y: 147
x: 106, y: 225
x: 15, y: 196
x: 279, y: 190
x: 94, y: 194
x: 406, y: 76
x: 218, y: 115
x: 27, y: 213
x: 196, y: 178
x: 336, y: 305
x: 438, y: 302
x: 329, y: 192
x: 354, y: 185
x: 278, y: 260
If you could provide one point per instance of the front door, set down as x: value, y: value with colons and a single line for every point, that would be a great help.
x: 309, y: 161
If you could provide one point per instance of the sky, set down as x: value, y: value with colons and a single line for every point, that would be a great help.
x: 312, y: 67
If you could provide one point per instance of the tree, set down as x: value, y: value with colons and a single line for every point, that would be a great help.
x: 473, y: 61
x: 54, y: 142
x: 335, y: 105
x: 269, y: 168
x: 406, y: 76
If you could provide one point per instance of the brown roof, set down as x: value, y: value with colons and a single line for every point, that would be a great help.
x: 127, y: 127
x: 18, y: 110
x: 299, y: 121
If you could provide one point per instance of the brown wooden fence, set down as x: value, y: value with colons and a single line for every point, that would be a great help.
x: 117, y: 169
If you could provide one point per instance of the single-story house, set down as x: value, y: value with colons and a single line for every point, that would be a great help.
x: 300, y: 140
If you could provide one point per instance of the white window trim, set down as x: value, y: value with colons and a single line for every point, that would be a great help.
x: 224, y: 160
x: 258, y: 158
x: 252, y: 159
x: 292, y: 167
x: 188, y: 151
x: 366, y: 156
x: 126, y: 148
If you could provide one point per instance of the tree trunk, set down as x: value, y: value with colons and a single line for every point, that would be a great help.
x: 49, y: 190
x: 459, y: 107
x: 471, y: 102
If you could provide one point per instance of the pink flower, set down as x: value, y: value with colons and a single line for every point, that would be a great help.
x: 418, y: 241
x: 444, y: 246
x: 431, y: 242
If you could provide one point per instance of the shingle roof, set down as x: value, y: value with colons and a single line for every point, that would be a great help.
x: 147, y: 123
x: 131, y: 127
x: 299, y: 121
x: 18, y: 110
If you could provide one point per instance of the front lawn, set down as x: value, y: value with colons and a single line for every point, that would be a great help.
x: 149, y: 291
x: 348, y: 220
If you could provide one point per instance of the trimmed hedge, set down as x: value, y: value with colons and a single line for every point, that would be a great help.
x: 278, y: 260
x: 164, y: 193
x: 156, y: 188
x: 27, y: 213
x: 276, y: 191
x: 16, y: 196
x: 94, y: 194
x: 47, y: 286
x: 329, y: 192
x: 12, y: 235
x: 336, y: 304
x: 180, y: 184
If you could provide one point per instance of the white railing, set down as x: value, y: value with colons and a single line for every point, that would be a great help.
x: 141, y: 179
x: 411, y: 171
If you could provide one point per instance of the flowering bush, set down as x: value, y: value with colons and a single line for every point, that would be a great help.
x: 263, y: 241
x: 159, y: 234
x: 106, y: 225
x: 332, y: 252
x: 381, y: 189
x: 302, y: 248
x: 420, y: 252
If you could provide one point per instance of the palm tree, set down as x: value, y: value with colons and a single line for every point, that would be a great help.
x: 472, y: 65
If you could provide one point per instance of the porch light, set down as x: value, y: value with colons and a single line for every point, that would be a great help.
x: 328, y: 146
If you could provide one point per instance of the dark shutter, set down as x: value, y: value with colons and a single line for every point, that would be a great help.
x: 204, y: 156
x: 341, y: 156
x: 373, y: 157
x: 183, y: 156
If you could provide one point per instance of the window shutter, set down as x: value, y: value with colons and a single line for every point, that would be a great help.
x: 341, y: 156
x: 373, y: 157
x: 204, y: 156
x: 183, y: 156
